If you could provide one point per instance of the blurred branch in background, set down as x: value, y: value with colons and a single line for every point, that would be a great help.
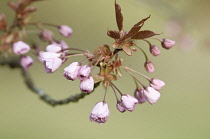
x: 14, y: 63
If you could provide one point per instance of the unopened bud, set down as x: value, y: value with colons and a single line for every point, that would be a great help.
x: 167, y: 44
x: 66, y: 31
x: 154, y: 50
x: 26, y: 62
x: 46, y: 35
x: 149, y: 66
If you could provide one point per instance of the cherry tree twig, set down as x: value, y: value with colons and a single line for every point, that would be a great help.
x: 14, y: 63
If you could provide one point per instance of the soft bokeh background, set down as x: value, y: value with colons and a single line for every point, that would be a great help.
x: 182, y: 112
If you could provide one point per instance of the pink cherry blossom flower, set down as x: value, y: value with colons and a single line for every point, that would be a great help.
x: 64, y: 45
x: 154, y: 50
x: 20, y: 48
x: 139, y: 95
x: 84, y: 72
x: 71, y: 71
x: 66, y: 31
x: 87, y: 85
x: 53, y: 48
x: 52, y: 64
x: 46, y: 35
x: 120, y: 107
x: 51, y: 61
x: 156, y: 84
x: 26, y: 62
x: 129, y: 102
x: 100, y: 113
x: 149, y: 66
x: 151, y: 94
x: 167, y: 44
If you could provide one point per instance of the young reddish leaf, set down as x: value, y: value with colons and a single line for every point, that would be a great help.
x: 119, y: 16
x: 136, y: 28
x: 127, y: 50
x: 143, y: 34
x: 113, y: 34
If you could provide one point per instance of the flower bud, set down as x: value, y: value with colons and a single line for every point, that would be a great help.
x: 154, y: 50
x: 120, y: 107
x: 149, y: 66
x: 52, y: 64
x: 46, y: 35
x: 26, y: 62
x: 151, y: 94
x: 87, y: 85
x: 71, y: 71
x: 51, y: 61
x: 167, y: 44
x: 129, y: 102
x: 20, y: 48
x: 100, y: 113
x: 53, y: 48
x: 139, y: 95
x: 66, y: 31
x: 64, y: 45
x: 84, y: 72
x: 156, y: 84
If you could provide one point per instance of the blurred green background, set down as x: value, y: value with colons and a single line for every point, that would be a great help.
x: 181, y: 113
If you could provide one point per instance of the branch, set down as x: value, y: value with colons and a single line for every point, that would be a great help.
x: 14, y: 63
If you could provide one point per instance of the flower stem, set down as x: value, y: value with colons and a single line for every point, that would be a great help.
x: 129, y: 69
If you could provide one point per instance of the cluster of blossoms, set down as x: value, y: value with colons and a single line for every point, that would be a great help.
x: 104, y: 58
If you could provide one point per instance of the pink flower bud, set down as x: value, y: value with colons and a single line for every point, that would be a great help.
x: 100, y: 113
x: 53, y: 48
x: 20, y: 48
x: 167, y: 44
x: 156, y: 84
x: 26, y: 62
x: 71, y: 71
x: 66, y: 31
x: 52, y: 64
x: 51, y: 61
x: 120, y: 107
x: 46, y: 35
x: 149, y: 66
x: 129, y: 102
x: 87, y: 85
x: 151, y: 94
x: 84, y: 72
x: 154, y: 50
x: 63, y: 44
x: 139, y: 95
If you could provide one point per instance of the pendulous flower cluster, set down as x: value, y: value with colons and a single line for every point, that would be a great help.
x: 105, y: 58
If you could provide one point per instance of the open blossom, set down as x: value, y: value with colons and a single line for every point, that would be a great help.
x: 129, y: 102
x: 154, y: 50
x: 87, y: 85
x: 20, y: 48
x: 71, y: 71
x: 149, y: 66
x: 100, y: 113
x: 66, y: 31
x: 84, y: 72
x: 167, y: 44
x: 139, y: 95
x: 26, y: 62
x: 156, y: 84
x: 53, y: 48
x: 51, y: 61
x: 151, y: 94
